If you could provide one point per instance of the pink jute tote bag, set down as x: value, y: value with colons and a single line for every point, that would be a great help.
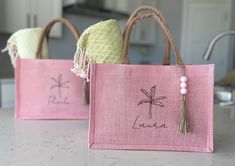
x: 151, y: 107
x: 46, y: 88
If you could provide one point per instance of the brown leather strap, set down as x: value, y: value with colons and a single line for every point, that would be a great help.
x: 47, y: 30
x: 158, y: 18
x: 152, y: 10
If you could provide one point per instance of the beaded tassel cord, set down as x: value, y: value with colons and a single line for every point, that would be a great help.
x: 183, y: 119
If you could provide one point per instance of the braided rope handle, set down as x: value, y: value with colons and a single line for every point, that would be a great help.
x: 158, y: 17
x: 152, y: 10
x: 48, y: 28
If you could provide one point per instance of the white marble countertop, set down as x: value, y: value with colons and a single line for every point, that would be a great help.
x: 60, y: 143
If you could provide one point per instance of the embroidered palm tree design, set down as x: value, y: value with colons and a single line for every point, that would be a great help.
x: 152, y: 99
x: 59, y: 83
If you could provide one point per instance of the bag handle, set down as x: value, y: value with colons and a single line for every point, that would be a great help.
x: 48, y: 28
x: 152, y: 10
x: 159, y: 19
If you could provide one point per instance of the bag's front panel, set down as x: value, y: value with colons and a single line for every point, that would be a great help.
x: 47, y: 89
x: 137, y: 107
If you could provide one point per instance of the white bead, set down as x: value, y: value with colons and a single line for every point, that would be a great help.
x: 183, y: 79
x: 183, y: 91
x: 183, y: 85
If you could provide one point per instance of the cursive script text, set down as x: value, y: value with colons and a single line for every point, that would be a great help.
x: 154, y: 125
x: 55, y: 100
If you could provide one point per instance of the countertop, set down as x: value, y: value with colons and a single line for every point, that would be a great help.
x: 64, y: 143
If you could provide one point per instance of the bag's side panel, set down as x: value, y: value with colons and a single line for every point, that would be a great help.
x: 92, y: 105
x: 17, y: 89
x: 138, y: 108
x: 210, y: 138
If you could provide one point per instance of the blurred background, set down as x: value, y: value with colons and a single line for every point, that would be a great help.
x: 193, y: 23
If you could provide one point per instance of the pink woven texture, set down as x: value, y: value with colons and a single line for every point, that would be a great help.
x: 47, y: 89
x: 119, y: 120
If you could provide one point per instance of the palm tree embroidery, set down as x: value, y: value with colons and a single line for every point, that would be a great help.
x: 59, y: 83
x: 152, y: 99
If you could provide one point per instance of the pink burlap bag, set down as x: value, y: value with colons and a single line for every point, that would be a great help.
x: 47, y: 89
x: 144, y: 106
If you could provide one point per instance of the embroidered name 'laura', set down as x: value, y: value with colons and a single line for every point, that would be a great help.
x: 154, y: 125
x: 55, y: 100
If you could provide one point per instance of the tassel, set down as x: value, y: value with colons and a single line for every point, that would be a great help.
x: 80, y: 66
x: 86, y: 91
x: 86, y: 98
x: 13, y: 52
x: 5, y: 49
x: 183, y: 119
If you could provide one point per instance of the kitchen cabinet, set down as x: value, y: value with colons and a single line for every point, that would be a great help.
x: 118, y: 5
x: 144, y: 33
x: 19, y: 14
x: 71, y: 2
x: 7, y: 93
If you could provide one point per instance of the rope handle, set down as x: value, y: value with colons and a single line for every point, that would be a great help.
x: 158, y: 17
x: 47, y: 29
x: 152, y: 10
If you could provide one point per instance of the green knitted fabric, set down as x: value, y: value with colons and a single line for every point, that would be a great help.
x: 99, y: 43
x: 23, y: 44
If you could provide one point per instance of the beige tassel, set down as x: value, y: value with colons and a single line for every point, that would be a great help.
x: 183, y: 119
x: 13, y: 52
x: 81, y: 68
x: 79, y: 64
x: 86, y: 93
